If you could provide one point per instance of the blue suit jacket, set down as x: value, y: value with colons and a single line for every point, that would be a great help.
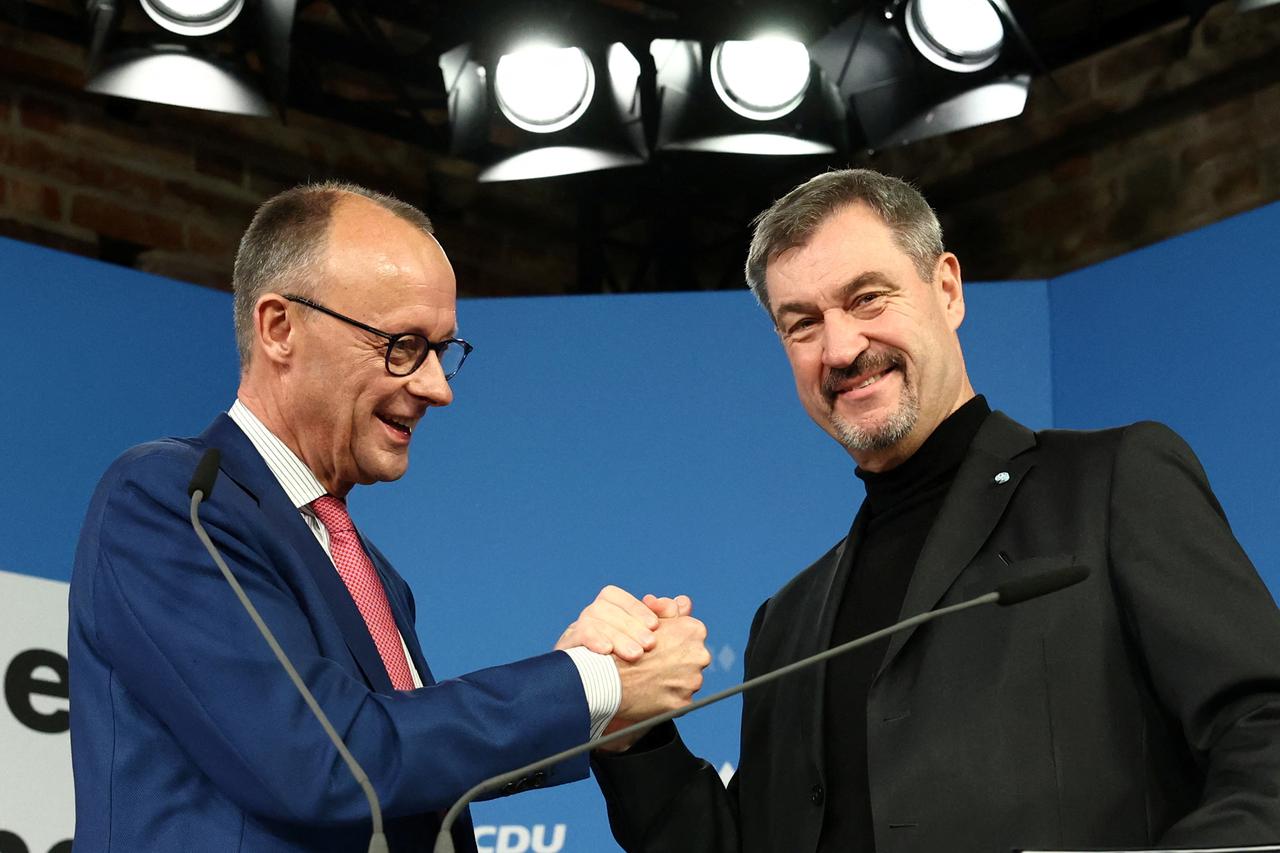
x: 185, y: 732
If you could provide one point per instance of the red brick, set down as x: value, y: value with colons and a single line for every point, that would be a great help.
x: 112, y: 219
x: 1265, y: 118
x: 1269, y: 169
x: 1075, y: 80
x: 219, y: 165
x: 42, y: 158
x: 63, y: 238
x: 264, y: 183
x: 1062, y: 210
x: 1238, y: 188
x: 72, y: 165
x: 184, y: 268
x: 213, y: 241
x: 1141, y: 58
x: 42, y: 115
x: 69, y: 163
x: 4, y: 186
x: 1223, y: 140
x: 1074, y: 168
x: 233, y: 206
x: 35, y: 199
x: 1228, y: 114
x: 4, y: 109
x: 157, y: 147
x: 27, y: 55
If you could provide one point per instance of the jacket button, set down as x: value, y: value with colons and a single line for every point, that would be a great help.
x: 816, y: 795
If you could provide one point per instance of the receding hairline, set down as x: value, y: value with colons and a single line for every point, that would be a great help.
x: 341, y: 212
x: 289, y: 239
x: 347, y: 200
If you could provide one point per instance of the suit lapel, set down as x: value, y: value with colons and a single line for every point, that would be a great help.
x: 972, y: 508
x: 241, y: 462
x: 829, y: 589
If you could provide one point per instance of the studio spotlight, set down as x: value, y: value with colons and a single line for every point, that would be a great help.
x: 923, y: 68
x: 958, y: 35
x: 1250, y: 5
x: 759, y: 96
x: 543, y: 89
x: 193, y: 17
x: 761, y: 79
x: 542, y: 110
x: 196, y: 72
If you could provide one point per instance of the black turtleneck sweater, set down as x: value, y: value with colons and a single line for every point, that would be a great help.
x: 900, y: 508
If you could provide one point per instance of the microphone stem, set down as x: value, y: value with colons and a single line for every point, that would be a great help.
x: 377, y: 843
x: 498, y: 781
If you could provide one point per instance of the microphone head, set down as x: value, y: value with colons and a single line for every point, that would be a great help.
x: 1041, y: 583
x: 206, y: 473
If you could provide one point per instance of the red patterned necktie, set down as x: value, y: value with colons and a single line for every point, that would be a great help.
x: 357, y: 572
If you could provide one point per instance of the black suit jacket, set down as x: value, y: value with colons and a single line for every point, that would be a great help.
x: 1142, y: 705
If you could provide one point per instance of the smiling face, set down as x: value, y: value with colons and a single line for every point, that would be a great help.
x: 344, y: 415
x: 872, y: 345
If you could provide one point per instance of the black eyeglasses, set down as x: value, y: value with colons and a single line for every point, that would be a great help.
x: 407, y: 350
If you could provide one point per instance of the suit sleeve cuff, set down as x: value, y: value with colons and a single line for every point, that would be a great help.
x: 600, y: 683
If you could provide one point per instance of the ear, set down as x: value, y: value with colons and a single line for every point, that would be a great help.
x: 274, y: 330
x: 950, y: 289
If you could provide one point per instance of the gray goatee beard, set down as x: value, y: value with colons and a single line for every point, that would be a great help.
x: 894, y: 428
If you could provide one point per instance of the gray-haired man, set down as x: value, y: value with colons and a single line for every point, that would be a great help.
x: 1130, y: 710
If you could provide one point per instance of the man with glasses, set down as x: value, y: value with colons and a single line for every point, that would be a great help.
x: 186, y: 735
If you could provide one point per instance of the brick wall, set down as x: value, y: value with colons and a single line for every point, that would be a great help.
x: 169, y: 190
x: 1154, y: 137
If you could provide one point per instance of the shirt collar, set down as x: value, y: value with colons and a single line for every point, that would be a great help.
x: 294, y: 476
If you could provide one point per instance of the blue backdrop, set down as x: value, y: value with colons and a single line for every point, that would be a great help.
x: 650, y: 441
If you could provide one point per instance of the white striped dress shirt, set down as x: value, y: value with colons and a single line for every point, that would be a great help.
x: 600, y: 680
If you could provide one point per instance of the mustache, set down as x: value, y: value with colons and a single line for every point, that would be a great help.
x: 867, y: 362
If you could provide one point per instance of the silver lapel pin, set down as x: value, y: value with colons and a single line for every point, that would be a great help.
x: 1002, y: 478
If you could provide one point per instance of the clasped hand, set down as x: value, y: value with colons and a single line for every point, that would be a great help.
x: 659, y: 649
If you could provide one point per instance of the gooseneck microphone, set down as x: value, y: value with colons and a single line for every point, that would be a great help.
x: 201, y: 487
x: 1007, y: 594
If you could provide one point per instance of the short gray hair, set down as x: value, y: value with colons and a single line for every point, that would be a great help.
x: 792, y: 219
x: 285, y: 244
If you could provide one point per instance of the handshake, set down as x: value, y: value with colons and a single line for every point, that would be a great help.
x: 659, y: 648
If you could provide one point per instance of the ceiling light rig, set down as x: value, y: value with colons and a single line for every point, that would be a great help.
x: 541, y: 109
x: 895, y: 72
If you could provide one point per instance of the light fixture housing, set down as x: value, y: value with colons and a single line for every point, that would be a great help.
x: 499, y: 115
x: 713, y: 98
x: 196, y: 73
x: 193, y: 17
x: 895, y: 93
x: 175, y: 75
